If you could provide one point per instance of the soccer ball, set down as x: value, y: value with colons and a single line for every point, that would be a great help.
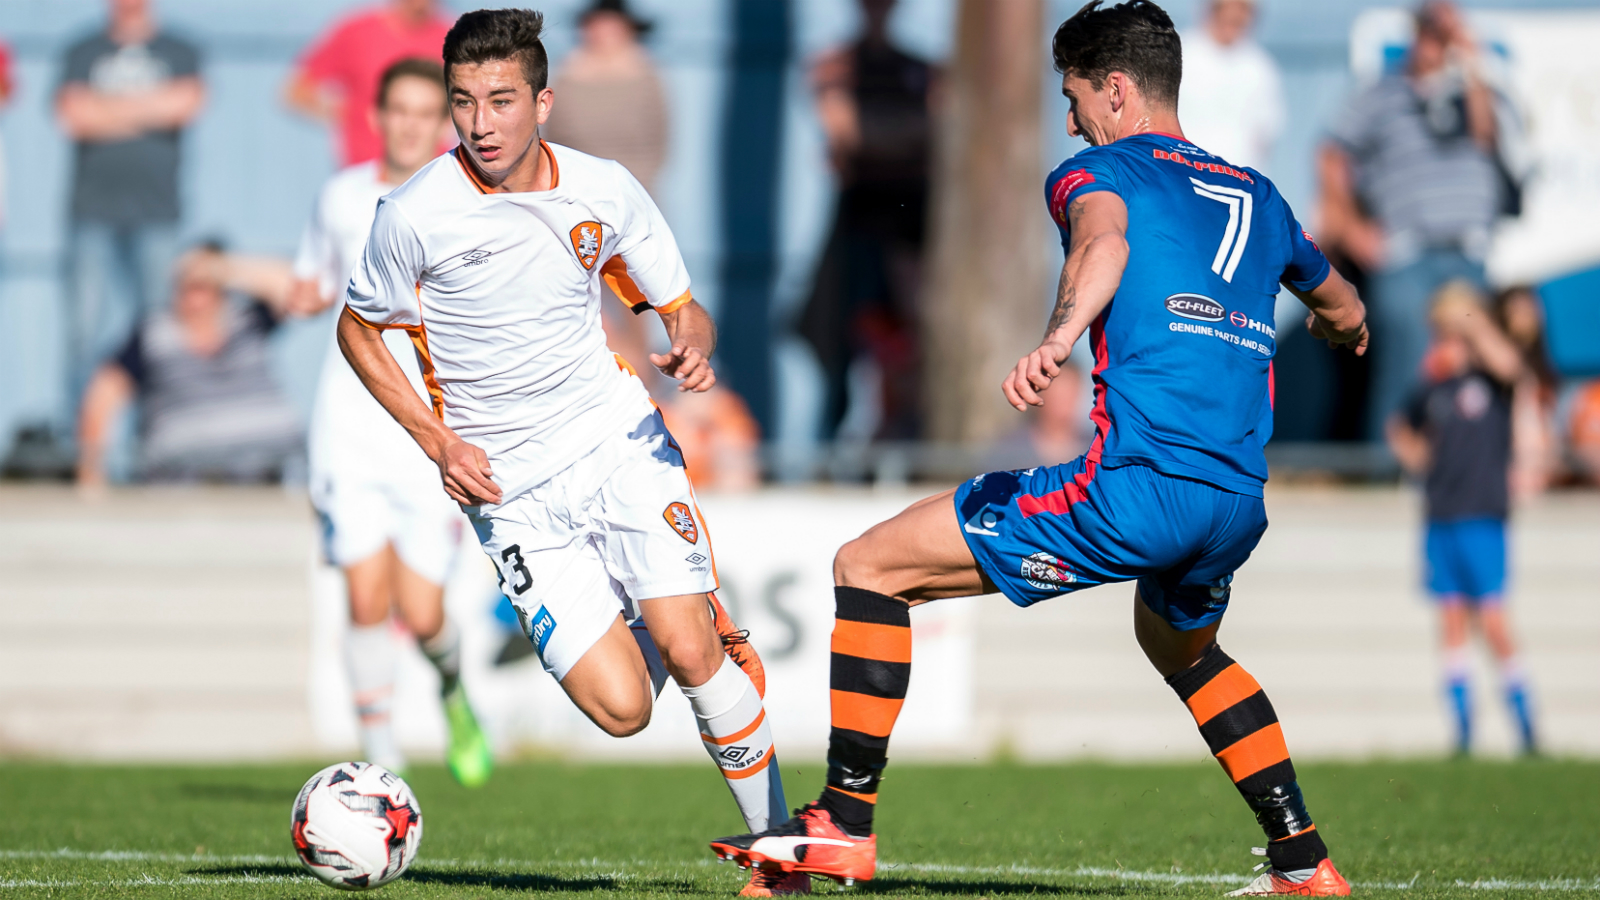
x: 356, y: 825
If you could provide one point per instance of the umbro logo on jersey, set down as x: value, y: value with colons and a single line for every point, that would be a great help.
x: 476, y: 257
x: 694, y: 559
x: 586, y: 243
x: 682, y: 521
x: 1195, y: 306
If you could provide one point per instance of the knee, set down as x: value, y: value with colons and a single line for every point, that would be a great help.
x: 623, y: 721
x: 368, y: 607
x: 854, y: 565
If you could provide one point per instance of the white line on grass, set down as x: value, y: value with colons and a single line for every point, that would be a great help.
x: 614, y: 868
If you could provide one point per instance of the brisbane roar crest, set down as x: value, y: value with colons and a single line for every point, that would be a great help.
x: 586, y: 243
x: 682, y: 521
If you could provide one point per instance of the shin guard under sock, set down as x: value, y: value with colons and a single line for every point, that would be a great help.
x: 734, y: 730
x: 871, y: 668
x: 1239, y: 725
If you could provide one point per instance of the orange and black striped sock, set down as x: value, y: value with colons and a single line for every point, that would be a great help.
x: 1239, y: 725
x: 870, y: 671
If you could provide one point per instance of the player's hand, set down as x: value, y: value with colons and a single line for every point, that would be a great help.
x: 467, y: 477
x: 688, y: 365
x: 1033, y: 374
x: 1323, y: 330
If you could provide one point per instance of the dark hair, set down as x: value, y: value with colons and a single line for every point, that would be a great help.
x: 412, y: 67
x: 487, y: 35
x: 1135, y: 38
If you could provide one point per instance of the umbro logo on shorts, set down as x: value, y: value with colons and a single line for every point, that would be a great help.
x: 682, y: 521
x: 476, y: 257
x: 586, y: 243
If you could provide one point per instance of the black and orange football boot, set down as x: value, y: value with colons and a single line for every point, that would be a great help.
x: 736, y: 643
x: 810, y: 843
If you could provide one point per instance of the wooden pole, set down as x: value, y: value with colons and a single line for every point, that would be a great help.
x: 986, y: 269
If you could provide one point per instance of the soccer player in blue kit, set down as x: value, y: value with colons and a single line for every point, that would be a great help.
x: 1174, y: 258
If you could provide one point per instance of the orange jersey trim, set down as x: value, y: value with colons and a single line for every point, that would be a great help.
x: 375, y: 327
x: 864, y: 640
x: 739, y: 735
x: 1228, y: 687
x: 615, y: 273
x: 460, y: 154
x: 1255, y: 752
x: 677, y: 304
x: 872, y: 716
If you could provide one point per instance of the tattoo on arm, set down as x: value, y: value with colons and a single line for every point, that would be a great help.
x: 1066, y: 291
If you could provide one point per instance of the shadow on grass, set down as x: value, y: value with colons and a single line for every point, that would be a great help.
x: 233, y: 793
x: 264, y: 870
x: 991, y: 888
x: 520, y: 881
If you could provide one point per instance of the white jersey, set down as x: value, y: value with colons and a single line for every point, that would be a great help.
x: 501, y: 294
x: 348, y: 427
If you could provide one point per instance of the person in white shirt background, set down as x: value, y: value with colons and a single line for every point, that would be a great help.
x: 1232, y: 103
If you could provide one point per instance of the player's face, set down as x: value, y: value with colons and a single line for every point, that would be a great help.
x: 412, y: 122
x: 496, y: 113
x: 1092, y: 114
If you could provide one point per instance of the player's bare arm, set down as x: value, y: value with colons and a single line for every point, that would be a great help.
x: 1337, y: 314
x: 1089, y: 279
x: 694, y: 336
x: 464, y: 468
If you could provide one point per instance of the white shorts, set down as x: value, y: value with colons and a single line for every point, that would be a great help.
x: 619, y: 525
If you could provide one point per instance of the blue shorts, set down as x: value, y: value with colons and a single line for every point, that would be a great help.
x: 1040, y: 533
x: 1467, y: 559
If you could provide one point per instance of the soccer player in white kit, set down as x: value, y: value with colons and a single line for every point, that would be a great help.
x: 494, y: 259
x: 385, y: 521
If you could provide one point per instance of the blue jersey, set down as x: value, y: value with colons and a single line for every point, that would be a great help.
x: 1183, y: 353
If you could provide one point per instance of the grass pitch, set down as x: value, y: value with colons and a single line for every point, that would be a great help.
x: 1412, y: 829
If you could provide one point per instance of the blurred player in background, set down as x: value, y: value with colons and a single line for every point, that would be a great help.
x: 1456, y: 434
x: 1174, y: 262
x: 494, y: 258
x: 336, y: 78
x: 1232, y: 100
x: 385, y: 521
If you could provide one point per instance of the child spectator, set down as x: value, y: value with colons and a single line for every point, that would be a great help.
x: 1456, y: 433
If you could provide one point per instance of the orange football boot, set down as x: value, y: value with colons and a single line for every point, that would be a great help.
x: 1324, y: 882
x: 811, y: 843
x: 736, y: 643
x: 776, y: 883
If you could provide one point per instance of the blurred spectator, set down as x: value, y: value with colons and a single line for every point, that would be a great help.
x: 1411, y: 185
x: 126, y: 93
x: 1456, y: 433
x: 609, y: 103
x: 1583, y: 430
x: 608, y: 96
x: 874, y: 103
x: 7, y: 88
x: 1051, y: 434
x: 720, y: 440
x: 1232, y: 102
x: 1536, y: 457
x: 336, y: 80
x: 209, y: 408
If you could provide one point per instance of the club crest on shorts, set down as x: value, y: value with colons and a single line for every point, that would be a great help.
x: 682, y: 521
x: 586, y: 243
x: 1047, y: 573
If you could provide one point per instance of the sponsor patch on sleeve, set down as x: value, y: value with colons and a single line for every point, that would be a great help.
x: 1062, y: 192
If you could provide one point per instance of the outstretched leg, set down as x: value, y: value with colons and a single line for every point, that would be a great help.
x: 1239, y: 725
x: 919, y: 555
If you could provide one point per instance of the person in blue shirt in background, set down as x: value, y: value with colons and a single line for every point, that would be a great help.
x: 1174, y: 259
x: 1456, y: 435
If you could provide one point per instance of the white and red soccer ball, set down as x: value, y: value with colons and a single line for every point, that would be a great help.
x: 356, y: 825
